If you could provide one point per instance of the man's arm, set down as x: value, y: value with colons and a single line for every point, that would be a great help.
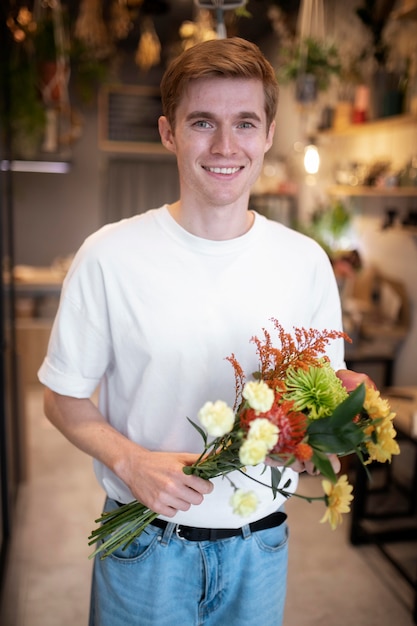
x: 155, y: 478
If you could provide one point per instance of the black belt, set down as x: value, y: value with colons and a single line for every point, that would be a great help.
x: 192, y: 533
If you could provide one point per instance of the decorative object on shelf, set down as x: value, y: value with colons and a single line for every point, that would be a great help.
x: 361, y: 104
x: 390, y: 56
x: 408, y: 175
x: 52, y: 57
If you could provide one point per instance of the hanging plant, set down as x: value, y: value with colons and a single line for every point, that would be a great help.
x: 310, y: 57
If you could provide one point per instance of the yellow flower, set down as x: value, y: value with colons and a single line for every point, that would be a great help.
x: 244, y: 502
x: 263, y: 430
x: 385, y: 445
x: 338, y: 498
x: 217, y: 417
x: 252, y: 451
x: 260, y: 397
x: 374, y: 405
x: 382, y: 445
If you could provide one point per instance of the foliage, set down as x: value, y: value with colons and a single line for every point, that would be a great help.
x: 310, y: 56
x: 328, y: 225
x: 89, y: 72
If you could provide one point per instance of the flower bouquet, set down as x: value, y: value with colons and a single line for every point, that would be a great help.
x: 295, y: 409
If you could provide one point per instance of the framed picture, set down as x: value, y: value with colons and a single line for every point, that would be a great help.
x: 128, y: 119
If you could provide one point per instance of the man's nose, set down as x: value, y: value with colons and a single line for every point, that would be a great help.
x: 224, y: 141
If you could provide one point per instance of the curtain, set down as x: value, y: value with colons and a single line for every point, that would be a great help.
x: 134, y: 185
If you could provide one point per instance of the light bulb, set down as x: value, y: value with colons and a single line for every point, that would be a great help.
x: 311, y: 159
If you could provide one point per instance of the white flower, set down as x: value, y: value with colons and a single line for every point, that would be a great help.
x: 259, y: 396
x: 217, y: 418
x: 252, y: 452
x: 263, y: 430
x: 244, y: 502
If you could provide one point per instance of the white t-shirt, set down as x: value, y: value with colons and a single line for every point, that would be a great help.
x: 150, y: 312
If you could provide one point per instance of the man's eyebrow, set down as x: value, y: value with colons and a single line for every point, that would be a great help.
x: 247, y: 115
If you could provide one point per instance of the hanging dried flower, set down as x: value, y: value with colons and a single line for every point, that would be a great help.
x: 148, y: 52
x: 91, y: 29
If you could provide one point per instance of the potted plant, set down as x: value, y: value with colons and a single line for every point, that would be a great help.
x: 310, y: 64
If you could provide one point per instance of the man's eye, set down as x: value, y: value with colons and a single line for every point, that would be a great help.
x: 202, y: 124
x: 245, y: 125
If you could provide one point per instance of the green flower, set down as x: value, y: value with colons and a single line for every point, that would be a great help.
x: 316, y: 391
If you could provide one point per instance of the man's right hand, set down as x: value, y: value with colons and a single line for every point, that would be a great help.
x: 157, y: 480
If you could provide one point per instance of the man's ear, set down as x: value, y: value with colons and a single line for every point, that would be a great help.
x: 270, y: 136
x: 167, y: 136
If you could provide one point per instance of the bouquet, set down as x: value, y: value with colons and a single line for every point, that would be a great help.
x: 295, y: 408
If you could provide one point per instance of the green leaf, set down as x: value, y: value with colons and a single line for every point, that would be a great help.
x: 275, y: 479
x: 338, y: 433
x: 341, y: 441
x: 324, y: 466
x: 200, y: 430
x: 350, y: 407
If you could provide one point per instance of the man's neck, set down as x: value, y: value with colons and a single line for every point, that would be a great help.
x: 215, y: 223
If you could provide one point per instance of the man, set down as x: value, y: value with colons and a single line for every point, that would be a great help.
x: 149, y: 310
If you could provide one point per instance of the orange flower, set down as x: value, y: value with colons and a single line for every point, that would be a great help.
x: 303, y: 452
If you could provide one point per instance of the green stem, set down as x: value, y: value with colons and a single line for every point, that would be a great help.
x: 283, y: 492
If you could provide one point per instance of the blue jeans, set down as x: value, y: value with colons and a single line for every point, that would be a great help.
x: 163, y: 580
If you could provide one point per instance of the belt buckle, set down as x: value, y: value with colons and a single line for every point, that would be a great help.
x: 178, y: 531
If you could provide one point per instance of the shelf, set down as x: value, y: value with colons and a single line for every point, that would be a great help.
x: 41, y: 167
x: 373, y: 192
x: 381, y: 125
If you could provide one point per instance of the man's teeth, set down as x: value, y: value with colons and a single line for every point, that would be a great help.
x: 223, y: 170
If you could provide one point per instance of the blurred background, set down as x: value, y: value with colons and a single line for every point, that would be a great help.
x: 79, y: 148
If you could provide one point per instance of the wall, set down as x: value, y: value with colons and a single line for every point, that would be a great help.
x: 55, y: 212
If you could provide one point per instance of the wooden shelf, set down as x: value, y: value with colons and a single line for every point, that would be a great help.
x: 377, y: 192
x: 38, y: 166
x: 379, y: 126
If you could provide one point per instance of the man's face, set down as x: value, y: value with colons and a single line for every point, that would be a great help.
x: 220, y: 139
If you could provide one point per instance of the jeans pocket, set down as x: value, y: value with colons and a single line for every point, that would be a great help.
x: 140, y: 548
x: 272, y: 539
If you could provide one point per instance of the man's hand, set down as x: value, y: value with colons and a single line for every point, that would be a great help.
x: 351, y: 379
x: 157, y: 480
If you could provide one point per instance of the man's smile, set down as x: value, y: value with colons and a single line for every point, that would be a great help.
x: 222, y: 170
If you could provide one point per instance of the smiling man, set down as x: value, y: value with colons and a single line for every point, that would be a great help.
x: 149, y: 311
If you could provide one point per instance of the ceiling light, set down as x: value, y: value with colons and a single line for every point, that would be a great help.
x: 311, y: 159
